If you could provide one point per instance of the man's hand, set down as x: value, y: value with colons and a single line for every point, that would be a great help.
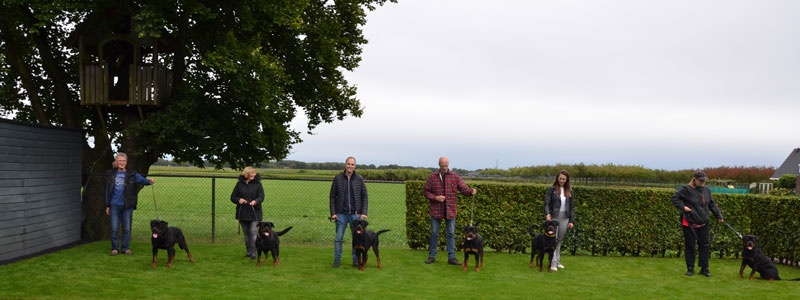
x: 151, y: 180
x: 106, y: 211
x: 335, y: 217
x: 242, y: 201
x: 474, y: 191
x: 440, y: 198
x: 687, y: 209
x: 253, y: 203
x: 363, y: 217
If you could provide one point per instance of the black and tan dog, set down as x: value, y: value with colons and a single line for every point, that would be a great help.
x: 364, y: 239
x: 268, y: 241
x: 473, y: 244
x: 543, y: 243
x: 165, y: 237
x: 757, y: 260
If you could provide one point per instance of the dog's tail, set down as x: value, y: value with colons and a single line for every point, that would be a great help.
x: 381, y: 231
x: 530, y: 229
x: 282, y: 232
x: 796, y: 279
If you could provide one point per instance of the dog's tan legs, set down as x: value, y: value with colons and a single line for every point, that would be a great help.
x: 154, y: 261
x: 477, y: 263
x: 190, y: 257
x: 741, y: 271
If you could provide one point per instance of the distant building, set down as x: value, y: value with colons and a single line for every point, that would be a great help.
x: 790, y: 166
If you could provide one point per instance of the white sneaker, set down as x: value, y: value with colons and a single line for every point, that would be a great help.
x: 560, y: 266
x: 553, y: 269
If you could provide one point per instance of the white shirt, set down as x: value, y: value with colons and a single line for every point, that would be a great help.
x: 563, y: 201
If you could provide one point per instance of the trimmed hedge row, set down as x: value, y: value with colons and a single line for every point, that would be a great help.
x: 622, y: 221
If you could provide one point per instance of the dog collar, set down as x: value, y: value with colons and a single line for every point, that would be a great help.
x: 549, y: 235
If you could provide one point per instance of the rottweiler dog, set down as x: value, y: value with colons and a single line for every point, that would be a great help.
x: 757, y: 260
x: 165, y: 237
x: 268, y: 241
x: 543, y: 243
x: 364, y: 239
x: 473, y: 244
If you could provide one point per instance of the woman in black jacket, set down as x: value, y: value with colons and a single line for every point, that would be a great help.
x: 694, y: 201
x: 559, y: 205
x: 248, y: 195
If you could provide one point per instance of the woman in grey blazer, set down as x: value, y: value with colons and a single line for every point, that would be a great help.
x: 559, y: 205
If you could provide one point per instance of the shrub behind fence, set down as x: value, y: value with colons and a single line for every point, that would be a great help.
x: 201, y: 207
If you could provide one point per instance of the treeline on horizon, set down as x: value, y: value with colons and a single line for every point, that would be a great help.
x: 612, y: 171
x: 580, y: 170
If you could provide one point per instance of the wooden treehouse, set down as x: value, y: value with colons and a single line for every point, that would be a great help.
x: 117, y: 67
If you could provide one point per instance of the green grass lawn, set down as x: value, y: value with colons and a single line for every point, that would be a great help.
x: 186, y: 202
x: 87, y: 272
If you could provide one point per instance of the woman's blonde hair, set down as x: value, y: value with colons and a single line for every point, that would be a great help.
x: 248, y: 170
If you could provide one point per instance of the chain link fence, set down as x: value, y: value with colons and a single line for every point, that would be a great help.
x: 201, y: 207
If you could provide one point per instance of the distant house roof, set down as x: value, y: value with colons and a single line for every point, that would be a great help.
x: 790, y: 166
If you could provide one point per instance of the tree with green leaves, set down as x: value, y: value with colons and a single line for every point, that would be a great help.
x: 240, y: 73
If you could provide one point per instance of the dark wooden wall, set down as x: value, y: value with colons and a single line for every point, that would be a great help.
x: 40, y: 186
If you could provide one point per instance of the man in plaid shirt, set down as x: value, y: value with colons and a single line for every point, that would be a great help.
x: 441, y: 189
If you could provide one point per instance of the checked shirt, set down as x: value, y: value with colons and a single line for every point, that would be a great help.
x: 449, y: 188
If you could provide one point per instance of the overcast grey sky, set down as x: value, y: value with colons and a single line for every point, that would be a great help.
x: 662, y: 84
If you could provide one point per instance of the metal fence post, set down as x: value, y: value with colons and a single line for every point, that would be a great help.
x: 213, y: 209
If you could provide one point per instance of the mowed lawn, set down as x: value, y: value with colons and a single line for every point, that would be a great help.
x: 87, y: 272
x: 186, y: 202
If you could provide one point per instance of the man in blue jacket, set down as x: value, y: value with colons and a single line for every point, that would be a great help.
x: 122, y: 195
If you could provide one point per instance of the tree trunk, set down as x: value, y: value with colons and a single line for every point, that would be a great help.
x: 95, y: 224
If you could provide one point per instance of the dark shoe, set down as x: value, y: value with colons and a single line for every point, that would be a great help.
x: 114, y: 252
x: 430, y: 260
x: 253, y: 257
x: 689, y: 272
x: 355, y: 263
x: 128, y: 252
x: 453, y: 261
x: 335, y: 264
x: 705, y: 273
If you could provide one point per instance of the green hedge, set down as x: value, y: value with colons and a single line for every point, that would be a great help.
x: 619, y: 221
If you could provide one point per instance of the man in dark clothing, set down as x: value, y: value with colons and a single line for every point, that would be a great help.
x: 348, y: 202
x: 694, y: 201
x: 441, y: 190
x: 122, y: 196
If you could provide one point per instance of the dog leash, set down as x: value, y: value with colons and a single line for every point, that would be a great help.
x: 734, y: 230
x: 155, y: 207
x: 472, y: 210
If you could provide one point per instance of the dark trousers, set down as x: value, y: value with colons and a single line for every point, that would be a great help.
x: 250, y: 230
x: 702, y: 244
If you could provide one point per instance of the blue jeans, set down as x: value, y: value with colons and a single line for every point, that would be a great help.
x: 341, y: 226
x: 450, y: 232
x: 125, y: 215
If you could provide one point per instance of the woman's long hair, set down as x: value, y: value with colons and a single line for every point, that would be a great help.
x: 567, y: 188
